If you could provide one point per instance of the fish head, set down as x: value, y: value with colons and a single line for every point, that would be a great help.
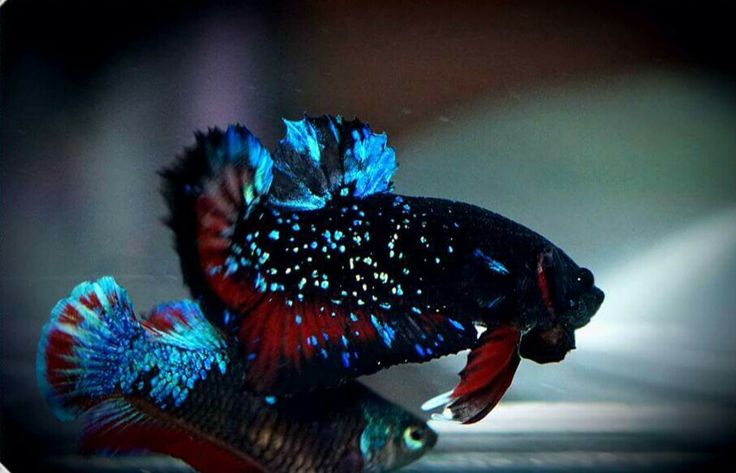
x: 393, y: 438
x: 555, y: 298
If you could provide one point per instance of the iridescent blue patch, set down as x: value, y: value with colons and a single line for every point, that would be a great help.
x: 324, y: 158
x: 369, y: 163
x: 387, y: 333
x: 493, y: 264
x: 243, y: 150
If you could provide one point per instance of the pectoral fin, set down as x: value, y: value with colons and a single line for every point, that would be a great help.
x: 484, y: 380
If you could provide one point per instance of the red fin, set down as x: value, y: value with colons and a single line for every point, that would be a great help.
x: 132, y: 430
x: 207, y: 190
x: 217, y: 210
x: 486, y: 377
x: 80, y: 341
x: 296, y: 346
x: 288, y: 344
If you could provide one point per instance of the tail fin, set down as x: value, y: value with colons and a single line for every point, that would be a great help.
x: 206, y: 191
x: 94, y: 348
x: 83, y: 348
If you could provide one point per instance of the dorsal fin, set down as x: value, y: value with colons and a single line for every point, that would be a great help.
x: 207, y: 190
x: 321, y: 157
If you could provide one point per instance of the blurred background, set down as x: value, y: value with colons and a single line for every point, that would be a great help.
x: 609, y: 127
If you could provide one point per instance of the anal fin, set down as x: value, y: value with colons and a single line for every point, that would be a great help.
x: 121, y: 426
x: 487, y: 375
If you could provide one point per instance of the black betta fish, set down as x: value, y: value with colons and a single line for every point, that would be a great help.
x: 167, y: 382
x: 326, y: 274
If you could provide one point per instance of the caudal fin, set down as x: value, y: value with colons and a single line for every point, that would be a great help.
x: 82, y: 352
x: 96, y: 358
x: 95, y: 348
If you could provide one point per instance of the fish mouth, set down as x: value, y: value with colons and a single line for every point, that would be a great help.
x: 588, y: 306
x: 599, y: 296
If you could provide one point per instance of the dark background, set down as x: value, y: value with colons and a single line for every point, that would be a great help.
x: 607, y: 126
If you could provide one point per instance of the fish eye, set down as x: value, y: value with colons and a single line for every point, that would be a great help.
x: 585, y: 279
x: 414, y: 437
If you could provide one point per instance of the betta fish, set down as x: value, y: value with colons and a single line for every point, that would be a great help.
x: 167, y: 382
x: 325, y: 274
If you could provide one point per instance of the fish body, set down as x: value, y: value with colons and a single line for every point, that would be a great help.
x: 386, y: 253
x: 168, y: 382
x: 326, y: 274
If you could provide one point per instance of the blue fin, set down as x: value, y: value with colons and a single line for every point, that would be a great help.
x: 207, y: 190
x: 82, y: 351
x: 239, y: 148
x: 94, y: 347
x: 323, y: 157
x: 182, y: 324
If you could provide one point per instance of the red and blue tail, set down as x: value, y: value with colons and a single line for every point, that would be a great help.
x: 95, y: 348
x: 83, y: 347
x: 97, y: 359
